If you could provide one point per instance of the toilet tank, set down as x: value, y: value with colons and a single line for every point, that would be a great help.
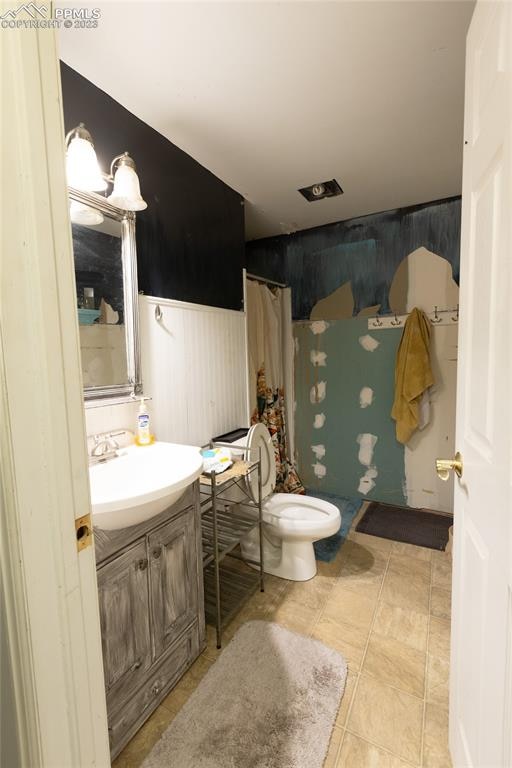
x: 236, y: 437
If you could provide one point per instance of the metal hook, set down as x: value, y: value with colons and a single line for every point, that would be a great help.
x: 158, y: 313
x: 396, y: 321
x: 436, y: 318
x: 456, y: 318
x: 377, y: 323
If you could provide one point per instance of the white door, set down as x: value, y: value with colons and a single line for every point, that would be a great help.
x: 481, y: 672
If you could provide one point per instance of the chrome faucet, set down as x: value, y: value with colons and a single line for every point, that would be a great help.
x: 105, y: 447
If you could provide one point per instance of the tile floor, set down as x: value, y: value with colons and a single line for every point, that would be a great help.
x: 386, y: 607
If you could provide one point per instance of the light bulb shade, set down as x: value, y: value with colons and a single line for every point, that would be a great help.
x: 126, y: 192
x: 84, y: 214
x: 82, y: 167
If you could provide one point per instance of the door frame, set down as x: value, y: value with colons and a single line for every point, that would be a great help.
x: 51, y: 634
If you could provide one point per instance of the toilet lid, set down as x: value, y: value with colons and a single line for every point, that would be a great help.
x: 259, y: 437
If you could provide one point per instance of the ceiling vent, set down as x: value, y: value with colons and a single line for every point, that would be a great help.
x: 321, y: 190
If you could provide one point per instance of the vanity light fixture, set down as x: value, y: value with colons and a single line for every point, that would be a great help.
x: 84, y: 173
x: 126, y: 191
x: 82, y: 166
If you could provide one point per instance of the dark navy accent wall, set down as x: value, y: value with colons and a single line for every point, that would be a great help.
x: 190, y: 240
x: 366, y: 251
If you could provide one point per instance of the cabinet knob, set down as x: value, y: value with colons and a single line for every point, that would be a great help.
x: 136, y: 665
x: 142, y: 564
x: 156, y: 689
x: 157, y: 552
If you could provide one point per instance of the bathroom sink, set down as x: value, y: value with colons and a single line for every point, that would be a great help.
x: 140, y: 482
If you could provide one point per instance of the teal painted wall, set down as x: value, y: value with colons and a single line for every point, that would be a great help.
x: 348, y: 368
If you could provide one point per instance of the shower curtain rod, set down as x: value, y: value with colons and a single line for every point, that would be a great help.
x: 266, y: 280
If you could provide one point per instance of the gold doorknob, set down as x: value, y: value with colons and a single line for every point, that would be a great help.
x: 443, y: 466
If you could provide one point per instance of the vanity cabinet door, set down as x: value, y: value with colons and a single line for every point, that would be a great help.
x: 173, y: 579
x: 124, y: 616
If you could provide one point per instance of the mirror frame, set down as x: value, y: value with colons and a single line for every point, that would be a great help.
x: 130, y: 292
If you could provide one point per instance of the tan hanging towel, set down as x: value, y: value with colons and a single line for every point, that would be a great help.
x: 413, y: 374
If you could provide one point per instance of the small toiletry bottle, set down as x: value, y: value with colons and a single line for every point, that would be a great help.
x: 143, y: 433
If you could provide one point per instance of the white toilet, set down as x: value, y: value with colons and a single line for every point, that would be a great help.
x: 291, y: 523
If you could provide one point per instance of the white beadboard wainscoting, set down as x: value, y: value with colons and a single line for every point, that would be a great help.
x: 194, y: 367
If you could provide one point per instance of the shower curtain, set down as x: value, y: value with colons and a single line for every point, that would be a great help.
x: 270, y: 342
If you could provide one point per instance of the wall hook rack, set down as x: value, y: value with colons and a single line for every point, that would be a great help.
x: 436, y: 318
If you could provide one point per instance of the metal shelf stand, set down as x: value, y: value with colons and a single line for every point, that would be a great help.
x: 224, y: 524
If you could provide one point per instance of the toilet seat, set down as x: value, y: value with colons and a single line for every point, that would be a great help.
x: 305, y: 514
x: 298, y: 507
x: 258, y: 438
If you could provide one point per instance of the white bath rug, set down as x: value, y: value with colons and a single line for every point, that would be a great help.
x: 269, y: 701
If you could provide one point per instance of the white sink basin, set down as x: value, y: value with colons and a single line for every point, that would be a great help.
x: 141, y: 482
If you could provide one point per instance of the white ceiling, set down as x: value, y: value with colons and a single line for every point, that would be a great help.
x: 275, y: 96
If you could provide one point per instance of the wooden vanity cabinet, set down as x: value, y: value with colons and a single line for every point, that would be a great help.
x: 125, y: 621
x: 151, y: 611
x: 173, y: 591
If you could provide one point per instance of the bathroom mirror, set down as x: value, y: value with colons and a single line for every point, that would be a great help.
x: 106, y: 292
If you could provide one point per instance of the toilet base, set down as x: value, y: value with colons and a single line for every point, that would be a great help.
x: 297, y: 561
x: 293, y: 560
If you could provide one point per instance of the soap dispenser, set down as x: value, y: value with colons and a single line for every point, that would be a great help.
x: 143, y: 432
